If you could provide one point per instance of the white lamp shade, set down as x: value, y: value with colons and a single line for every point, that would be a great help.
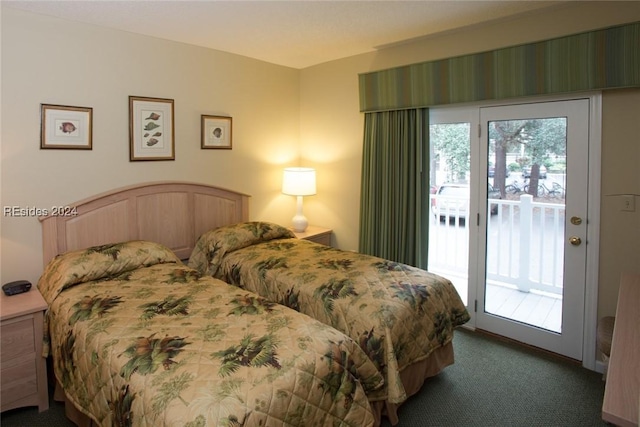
x: 299, y: 181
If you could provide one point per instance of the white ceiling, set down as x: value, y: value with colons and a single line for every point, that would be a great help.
x: 296, y: 34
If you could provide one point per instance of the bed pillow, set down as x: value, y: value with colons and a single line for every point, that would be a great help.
x: 100, y: 262
x: 212, y: 246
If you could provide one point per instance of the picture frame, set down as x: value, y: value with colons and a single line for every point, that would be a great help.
x: 151, y: 129
x: 217, y: 132
x: 66, y: 127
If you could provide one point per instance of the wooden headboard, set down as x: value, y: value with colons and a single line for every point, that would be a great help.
x: 172, y: 213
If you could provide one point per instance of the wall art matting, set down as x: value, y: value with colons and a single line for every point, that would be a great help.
x: 217, y: 132
x: 67, y: 127
x: 151, y: 129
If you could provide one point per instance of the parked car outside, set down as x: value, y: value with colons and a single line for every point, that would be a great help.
x: 452, y: 200
x: 526, y: 172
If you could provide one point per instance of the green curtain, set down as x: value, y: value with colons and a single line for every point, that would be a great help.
x: 394, y: 205
x: 395, y: 198
x: 595, y: 60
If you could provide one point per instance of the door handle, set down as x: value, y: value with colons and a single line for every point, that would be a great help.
x: 575, y: 241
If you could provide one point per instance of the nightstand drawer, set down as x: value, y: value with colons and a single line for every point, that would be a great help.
x: 23, y: 375
x: 18, y: 382
x: 17, y: 339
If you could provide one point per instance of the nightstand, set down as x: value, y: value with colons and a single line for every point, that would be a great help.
x: 316, y: 234
x: 23, y: 379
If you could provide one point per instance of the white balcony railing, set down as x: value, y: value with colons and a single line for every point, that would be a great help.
x: 525, y: 243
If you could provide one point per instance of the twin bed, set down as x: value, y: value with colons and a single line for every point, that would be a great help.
x: 259, y: 329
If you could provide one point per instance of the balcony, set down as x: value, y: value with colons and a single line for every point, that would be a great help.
x: 524, y: 261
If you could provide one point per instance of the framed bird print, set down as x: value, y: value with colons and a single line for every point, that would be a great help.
x: 67, y: 127
x: 151, y: 130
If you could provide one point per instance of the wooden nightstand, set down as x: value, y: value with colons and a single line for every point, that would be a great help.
x: 316, y: 234
x: 24, y: 372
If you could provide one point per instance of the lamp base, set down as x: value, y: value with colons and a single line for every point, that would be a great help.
x: 300, y: 223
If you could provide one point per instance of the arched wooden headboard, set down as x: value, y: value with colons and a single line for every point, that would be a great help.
x: 172, y: 213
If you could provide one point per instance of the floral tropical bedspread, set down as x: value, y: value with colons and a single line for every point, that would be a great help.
x: 140, y: 339
x: 397, y: 313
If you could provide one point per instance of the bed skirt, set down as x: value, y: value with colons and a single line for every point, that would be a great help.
x: 73, y: 414
x: 413, y: 377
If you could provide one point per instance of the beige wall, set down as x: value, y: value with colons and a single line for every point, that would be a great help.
x: 331, y: 126
x: 48, y: 60
x: 619, y: 230
x: 281, y: 117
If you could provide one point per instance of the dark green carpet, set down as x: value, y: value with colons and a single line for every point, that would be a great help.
x: 498, y: 383
x: 492, y: 383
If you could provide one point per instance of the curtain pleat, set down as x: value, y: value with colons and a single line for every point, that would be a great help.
x: 395, y: 197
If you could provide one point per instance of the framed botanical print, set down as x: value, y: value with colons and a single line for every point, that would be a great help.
x: 217, y: 132
x: 67, y: 127
x: 151, y: 129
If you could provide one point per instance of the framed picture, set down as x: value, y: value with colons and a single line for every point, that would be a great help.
x: 151, y: 130
x: 67, y: 127
x: 216, y: 132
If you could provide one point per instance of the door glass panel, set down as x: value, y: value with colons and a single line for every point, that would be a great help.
x: 450, y: 202
x: 526, y: 170
x: 500, y: 225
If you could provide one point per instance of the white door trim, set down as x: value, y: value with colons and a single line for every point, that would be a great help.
x: 593, y: 215
x: 593, y: 232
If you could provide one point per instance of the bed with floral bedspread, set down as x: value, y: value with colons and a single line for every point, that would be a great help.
x: 400, y: 315
x: 140, y: 339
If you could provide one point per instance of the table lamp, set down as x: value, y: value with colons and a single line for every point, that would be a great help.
x: 299, y: 182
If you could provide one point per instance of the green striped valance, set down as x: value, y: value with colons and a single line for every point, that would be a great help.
x: 602, y: 59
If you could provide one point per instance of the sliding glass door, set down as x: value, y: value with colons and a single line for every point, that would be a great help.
x: 451, y: 195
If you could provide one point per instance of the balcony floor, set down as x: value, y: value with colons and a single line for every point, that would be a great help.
x: 537, y: 309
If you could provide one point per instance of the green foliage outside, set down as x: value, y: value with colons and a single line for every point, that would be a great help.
x: 540, y: 142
